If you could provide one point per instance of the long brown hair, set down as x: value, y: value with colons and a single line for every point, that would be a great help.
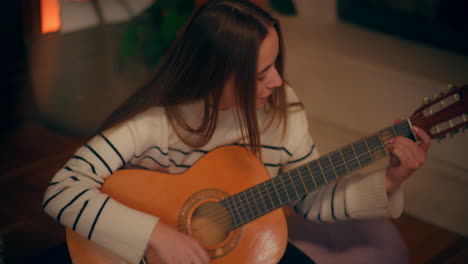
x: 220, y: 41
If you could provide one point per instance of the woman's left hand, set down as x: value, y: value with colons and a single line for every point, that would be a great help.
x: 405, y: 157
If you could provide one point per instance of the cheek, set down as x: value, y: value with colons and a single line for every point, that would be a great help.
x: 260, y: 88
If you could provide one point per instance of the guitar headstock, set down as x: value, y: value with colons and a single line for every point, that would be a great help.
x: 445, y: 113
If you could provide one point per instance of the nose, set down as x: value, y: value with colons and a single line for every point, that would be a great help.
x: 275, y: 80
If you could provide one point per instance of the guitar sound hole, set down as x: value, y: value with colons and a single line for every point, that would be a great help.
x: 210, y: 224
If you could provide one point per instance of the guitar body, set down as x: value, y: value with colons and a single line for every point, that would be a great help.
x: 184, y: 201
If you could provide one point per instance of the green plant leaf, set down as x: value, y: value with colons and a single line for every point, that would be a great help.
x: 154, y: 47
x: 285, y: 7
x: 172, y: 22
x: 129, y: 44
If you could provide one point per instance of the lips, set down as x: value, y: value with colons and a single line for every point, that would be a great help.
x: 264, y: 97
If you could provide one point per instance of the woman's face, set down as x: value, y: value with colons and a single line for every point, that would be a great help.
x: 267, y: 76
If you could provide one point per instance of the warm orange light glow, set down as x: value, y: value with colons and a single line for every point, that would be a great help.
x: 50, y: 16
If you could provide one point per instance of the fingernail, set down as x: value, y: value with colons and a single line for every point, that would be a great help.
x: 416, y: 129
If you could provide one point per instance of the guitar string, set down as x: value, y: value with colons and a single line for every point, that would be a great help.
x: 246, y: 202
x: 249, y: 195
x: 249, y: 199
x: 362, y: 149
x: 423, y: 118
x: 416, y: 118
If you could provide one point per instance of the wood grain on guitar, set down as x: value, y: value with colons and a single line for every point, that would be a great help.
x: 229, y: 203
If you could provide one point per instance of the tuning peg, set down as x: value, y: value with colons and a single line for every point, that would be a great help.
x: 454, y: 132
x: 427, y: 101
x: 439, y: 95
x: 451, y: 87
x: 441, y: 137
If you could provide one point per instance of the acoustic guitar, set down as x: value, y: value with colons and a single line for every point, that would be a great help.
x: 235, y: 211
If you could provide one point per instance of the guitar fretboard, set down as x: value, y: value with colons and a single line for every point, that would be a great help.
x: 290, y: 186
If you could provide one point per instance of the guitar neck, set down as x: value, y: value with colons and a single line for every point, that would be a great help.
x: 290, y: 186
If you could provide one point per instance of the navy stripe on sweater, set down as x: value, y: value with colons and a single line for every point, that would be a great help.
x: 114, y: 148
x: 73, y: 177
x: 304, y: 157
x: 90, y: 234
x: 267, y: 147
x: 52, y: 197
x: 292, y: 161
x: 68, y: 204
x: 77, y: 219
x: 99, y: 157
x: 80, y: 158
x: 206, y: 151
x: 332, y: 202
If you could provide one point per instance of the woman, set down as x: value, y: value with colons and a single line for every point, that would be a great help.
x: 220, y: 84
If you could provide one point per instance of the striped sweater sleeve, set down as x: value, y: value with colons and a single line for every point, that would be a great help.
x: 74, y: 200
x: 357, y: 196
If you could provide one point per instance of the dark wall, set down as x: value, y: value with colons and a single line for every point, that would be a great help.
x: 440, y: 23
x: 13, y: 64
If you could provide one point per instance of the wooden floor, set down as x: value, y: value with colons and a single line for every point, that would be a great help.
x: 33, y: 153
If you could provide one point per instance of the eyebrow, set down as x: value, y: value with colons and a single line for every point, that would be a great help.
x: 264, y: 70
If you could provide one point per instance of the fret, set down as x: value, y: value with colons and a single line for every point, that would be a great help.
x: 377, y: 145
x: 400, y: 128
x: 356, y: 156
x: 302, y: 180
x: 318, y: 173
x: 260, y: 197
x: 288, y: 186
x: 284, y: 188
x: 251, y: 201
x: 349, y: 155
x: 246, y: 205
x: 344, y: 161
x: 306, y: 176
x: 324, y: 176
x: 269, y: 204
x: 327, y: 169
x: 297, y: 186
x: 311, y: 175
x: 391, y: 131
x: 278, y: 193
x: 369, y: 150
x: 386, y: 134
x: 294, y: 185
x: 242, y: 211
x: 322, y: 173
x: 394, y: 132
x: 338, y: 163
x: 364, y: 156
x: 254, y: 199
x: 381, y: 135
x: 374, y: 141
x: 332, y: 166
x: 232, y: 212
x: 382, y: 141
x: 405, y: 129
x: 276, y: 199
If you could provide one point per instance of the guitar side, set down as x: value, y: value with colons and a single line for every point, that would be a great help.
x: 174, y: 199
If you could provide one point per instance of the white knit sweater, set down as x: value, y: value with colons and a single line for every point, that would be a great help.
x: 148, y: 141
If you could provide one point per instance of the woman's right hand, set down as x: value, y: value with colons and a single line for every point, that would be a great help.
x: 174, y: 247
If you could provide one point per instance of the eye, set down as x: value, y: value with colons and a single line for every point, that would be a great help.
x: 261, y: 78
